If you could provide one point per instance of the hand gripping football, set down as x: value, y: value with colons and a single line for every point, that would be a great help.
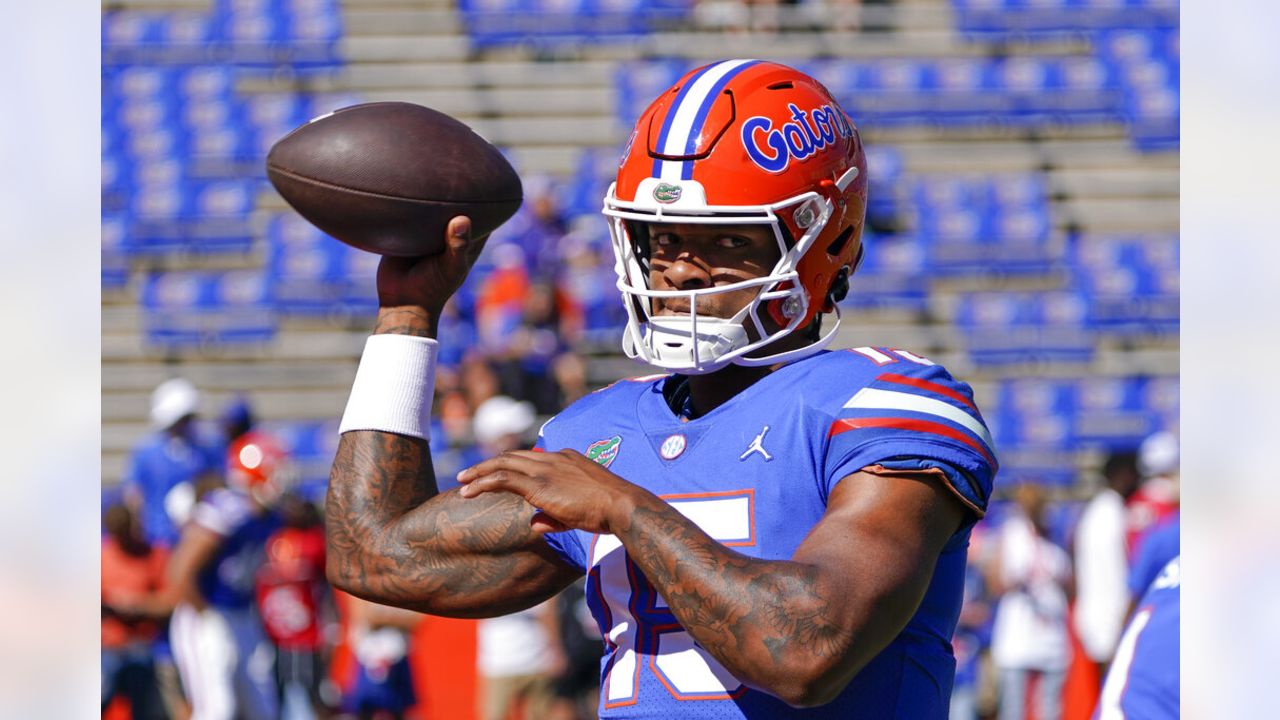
x: 387, y: 177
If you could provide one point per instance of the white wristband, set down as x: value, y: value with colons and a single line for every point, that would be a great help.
x: 393, y: 387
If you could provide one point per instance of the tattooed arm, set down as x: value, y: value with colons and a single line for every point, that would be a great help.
x: 799, y: 629
x: 391, y: 536
x: 802, y: 628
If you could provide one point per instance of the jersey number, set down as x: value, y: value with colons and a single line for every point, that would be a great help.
x: 638, y: 627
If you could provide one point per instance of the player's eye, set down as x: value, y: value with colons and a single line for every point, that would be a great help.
x: 732, y: 241
x: 665, y: 239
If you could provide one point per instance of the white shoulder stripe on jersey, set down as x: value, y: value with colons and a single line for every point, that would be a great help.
x: 873, y: 354
x: 875, y: 399
x: 683, y: 116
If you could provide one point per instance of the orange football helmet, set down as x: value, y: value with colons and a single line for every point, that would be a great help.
x: 257, y: 465
x: 740, y: 142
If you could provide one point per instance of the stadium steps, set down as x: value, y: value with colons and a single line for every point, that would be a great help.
x: 501, y: 75
x: 545, y: 107
x: 511, y: 104
x: 409, y: 20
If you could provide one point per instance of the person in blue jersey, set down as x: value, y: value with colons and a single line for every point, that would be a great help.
x: 768, y: 529
x: 224, y: 657
x: 165, y: 467
x: 1157, y: 546
x: 1144, y: 680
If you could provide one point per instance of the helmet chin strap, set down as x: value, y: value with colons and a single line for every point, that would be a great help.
x: 692, y: 344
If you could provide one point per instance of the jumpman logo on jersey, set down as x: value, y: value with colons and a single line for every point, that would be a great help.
x: 757, y: 445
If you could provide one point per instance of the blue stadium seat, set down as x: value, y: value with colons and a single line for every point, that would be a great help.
x: 968, y: 91
x: 596, y: 170
x: 1161, y: 398
x: 1112, y: 412
x: 1133, y: 284
x: 304, y: 266
x: 115, y: 261
x: 1032, y: 425
x: 207, y: 308
x: 551, y: 24
x: 892, y: 275
x: 1025, y: 328
x: 1005, y: 20
x: 638, y: 83
x: 1147, y: 63
x: 196, y: 215
x: 976, y: 226
x: 884, y: 187
x: 1020, y: 402
x: 359, y: 271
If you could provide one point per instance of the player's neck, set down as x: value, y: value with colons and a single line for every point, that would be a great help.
x: 708, y: 392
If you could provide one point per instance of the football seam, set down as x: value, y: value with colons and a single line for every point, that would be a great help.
x: 384, y: 196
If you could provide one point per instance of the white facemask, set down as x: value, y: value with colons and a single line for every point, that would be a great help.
x: 697, y: 343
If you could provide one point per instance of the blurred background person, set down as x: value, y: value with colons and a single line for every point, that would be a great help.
x: 237, y: 419
x: 1157, y: 495
x: 1032, y: 577
x: 535, y: 346
x: 1101, y: 564
x: 221, y: 650
x: 133, y: 578
x: 162, y: 471
x: 577, y: 688
x: 295, y: 604
x: 159, y: 485
x: 973, y: 688
x: 518, y: 656
x: 380, y: 638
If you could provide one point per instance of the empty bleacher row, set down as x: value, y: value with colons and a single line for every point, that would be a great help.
x: 988, y: 247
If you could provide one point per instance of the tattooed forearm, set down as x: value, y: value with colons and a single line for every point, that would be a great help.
x: 406, y: 320
x: 763, y: 620
x: 392, y: 539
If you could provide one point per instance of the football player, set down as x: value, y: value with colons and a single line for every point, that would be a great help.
x: 768, y: 529
x: 1144, y: 679
x: 224, y: 657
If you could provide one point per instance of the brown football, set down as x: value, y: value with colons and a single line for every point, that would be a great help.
x: 387, y: 177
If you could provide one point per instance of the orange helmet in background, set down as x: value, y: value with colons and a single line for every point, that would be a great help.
x: 257, y: 464
x: 740, y: 142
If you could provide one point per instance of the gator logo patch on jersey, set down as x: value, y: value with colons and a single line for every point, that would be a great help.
x: 604, y: 451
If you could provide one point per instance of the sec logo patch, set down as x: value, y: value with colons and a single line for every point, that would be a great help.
x: 672, y: 447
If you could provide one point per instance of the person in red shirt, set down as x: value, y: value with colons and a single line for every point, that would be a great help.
x: 293, y: 596
x: 133, y: 573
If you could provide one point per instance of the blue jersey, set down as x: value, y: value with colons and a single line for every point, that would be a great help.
x: 157, y: 465
x: 755, y: 473
x: 1143, y: 681
x: 1161, y: 544
x: 228, y: 581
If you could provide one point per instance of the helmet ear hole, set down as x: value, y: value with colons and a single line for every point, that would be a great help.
x: 839, y: 289
x: 838, y: 245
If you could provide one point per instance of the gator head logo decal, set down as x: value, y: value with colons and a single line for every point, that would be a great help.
x: 667, y: 193
x: 604, y: 451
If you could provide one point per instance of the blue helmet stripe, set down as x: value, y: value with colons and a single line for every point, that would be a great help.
x: 696, y: 131
x: 671, y: 114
